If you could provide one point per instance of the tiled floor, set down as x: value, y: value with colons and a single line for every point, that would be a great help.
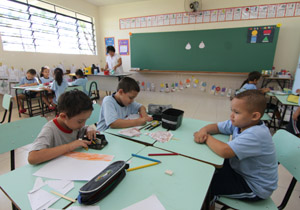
x: 196, y: 105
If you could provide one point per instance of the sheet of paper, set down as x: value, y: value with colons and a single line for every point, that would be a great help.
x: 221, y: 15
x: 199, y: 17
x: 229, y: 14
x: 39, y: 183
x: 149, y: 21
x: 154, y: 21
x: 206, y: 16
x: 61, y: 186
x: 297, y: 10
x: 271, y: 11
x: 281, y: 10
x: 39, y: 198
x: 137, y: 22
x: 122, y: 26
x: 166, y: 20
x: 172, y: 18
x: 133, y: 117
x: 179, y: 19
x: 290, y: 10
x: 214, y: 16
x: 130, y: 132
x: 253, y: 12
x: 161, y: 136
x: 237, y: 13
x: 160, y: 20
x: 245, y: 13
x: 150, y: 203
x: 128, y: 22
x: 76, y: 167
x: 186, y: 17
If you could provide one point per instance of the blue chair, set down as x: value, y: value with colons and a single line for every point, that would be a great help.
x: 94, y: 116
x: 288, y: 154
x: 7, y: 105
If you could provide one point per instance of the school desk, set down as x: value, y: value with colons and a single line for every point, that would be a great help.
x: 108, y: 83
x: 282, y: 82
x: 283, y: 100
x: 184, y: 143
x: 185, y: 189
x: 16, y: 184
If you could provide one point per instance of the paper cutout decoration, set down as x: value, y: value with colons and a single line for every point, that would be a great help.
x: 143, y: 86
x: 148, y: 86
x: 213, y: 89
x: 176, y: 86
x: 229, y: 92
x: 263, y: 34
x: 173, y: 87
x: 180, y: 85
x: 201, y: 45
x: 203, y: 86
x: 167, y: 90
x: 130, y: 132
x: 161, y: 136
x: 188, y: 46
x: 217, y: 91
x: 152, y: 87
x: 188, y: 83
x: 162, y: 87
x: 196, y: 81
x: 223, y: 91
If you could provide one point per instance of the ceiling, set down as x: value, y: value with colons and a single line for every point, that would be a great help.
x: 110, y: 2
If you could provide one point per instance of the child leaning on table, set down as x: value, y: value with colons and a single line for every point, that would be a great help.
x: 62, y: 134
x: 250, y: 168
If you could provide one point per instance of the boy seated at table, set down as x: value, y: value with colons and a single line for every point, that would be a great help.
x: 81, y: 80
x: 63, y: 134
x: 29, y: 80
x: 117, y: 107
x: 250, y: 167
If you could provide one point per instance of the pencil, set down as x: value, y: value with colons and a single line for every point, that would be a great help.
x: 143, y: 166
x: 162, y: 154
x: 146, y: 158
x: 63, y: 196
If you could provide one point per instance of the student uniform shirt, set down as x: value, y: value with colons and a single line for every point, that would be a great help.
x: 255, y: 158
x: 111, y: 111
x: 58, y: 90
x: 53, y: 135
x: 24, y: 81
x: 247, y: 86
x: 81, y: 82
x: 113, y: 61
x: 44, y: 80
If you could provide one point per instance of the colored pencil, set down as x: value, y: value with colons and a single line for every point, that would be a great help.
x: 162, y: 154
x: 146, y: 158
x: 63, y: 196
x: 143, y: 166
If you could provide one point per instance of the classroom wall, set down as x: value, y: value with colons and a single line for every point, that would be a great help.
x: 288, y: 46
x: 28, y: 60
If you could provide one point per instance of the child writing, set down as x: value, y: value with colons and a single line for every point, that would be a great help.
x: 58, y: 86
x: 120, y: 105
x: 45, y: 75
x: 29, y: 80
x: 81, y: 80
x: 250, y: 168
x: 63, y: 134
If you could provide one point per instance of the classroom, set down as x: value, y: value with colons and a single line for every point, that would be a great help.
x: 149, y: 104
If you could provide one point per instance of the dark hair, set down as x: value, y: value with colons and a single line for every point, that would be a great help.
x: 255, y: 99
x: 73, y: 103
x: 42, y: 70
x: 58, y: 76
x: 110, y: 48
x: 254, y: 75
x: 79, y: 72
x: 31, y: 71
x: 128, y: 84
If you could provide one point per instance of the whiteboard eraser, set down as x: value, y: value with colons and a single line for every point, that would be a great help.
x: 169, y: 172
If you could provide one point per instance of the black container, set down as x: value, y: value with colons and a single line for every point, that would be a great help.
x: 172, y: 119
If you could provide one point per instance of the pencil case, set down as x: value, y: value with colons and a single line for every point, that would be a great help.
x: 98, y: 143
x: 102, y: 184
x: 172, y: 119
x: 156, y: 110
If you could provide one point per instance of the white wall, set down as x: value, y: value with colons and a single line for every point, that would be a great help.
x: 28, y: 60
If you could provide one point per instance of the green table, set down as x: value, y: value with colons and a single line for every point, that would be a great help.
x: 283, y: 100
x: 185, y: 189
x: 17, y: 183
x: 185, y: 145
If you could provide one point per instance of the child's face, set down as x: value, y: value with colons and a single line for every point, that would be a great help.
x: 30, y: 76
x: 240, y: 115
x: 77, y: 121
x: 127, y: 98
x: 111, y: 53
x: 46, y: 73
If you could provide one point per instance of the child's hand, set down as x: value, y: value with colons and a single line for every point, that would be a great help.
x: 148, y: 118
x: 78, y: 143
x: 200, y: 136
x: 141, y: 121
x: 91, y: 134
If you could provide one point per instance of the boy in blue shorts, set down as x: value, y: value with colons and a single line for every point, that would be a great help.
x: 117, y: 107
x: 250, y: 168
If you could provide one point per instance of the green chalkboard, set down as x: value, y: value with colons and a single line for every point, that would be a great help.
x: 226, y: 50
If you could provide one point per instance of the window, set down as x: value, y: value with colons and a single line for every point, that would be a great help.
x: 45, y: 28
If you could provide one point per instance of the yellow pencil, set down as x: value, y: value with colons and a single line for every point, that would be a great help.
x: 63, y: 196
x: 143, y: 166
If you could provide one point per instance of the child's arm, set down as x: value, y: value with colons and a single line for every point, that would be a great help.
x: 202, y: 134
x: 40, y: 156
x: 296, y: 114
x: 144, y: 114
x: 264, y: 90
x: 120, y: 123
x: 30, y: 84
x: 119, y: 63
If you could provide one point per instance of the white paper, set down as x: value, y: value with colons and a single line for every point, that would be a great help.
x: 297, y: 11
x: 237, y: 12
x: 131, y: 132
x: 128, y: 22
x: 154, y: 20
x: 262, y: 11
x: 172, y: 18
x: 123, y: 49
x: 61, y: 186
x: 133, y: 117
x: 221, y: 15
x: 83, y: 208
x: 143, y: 22
x: 160, y: 20
x: 149, y: 21
x: 186, y: 17
x: 179, y: 19
x: 271, y: 11
x: 122, y: 25
x: 192, y: 19
x: 67, y: 168
x: 214, y: 16
x: 150, y: 203
x: 281, y: 10
x: 132, y: 25
x: 206, y: 16
x: 199, y: 17
x: 161, y: 136
x: 39, y: 183
x: 166, y: 20
x: 229, y: 14
x: 137, y: 22
x: 290, y: 10
x: 245, y: 13
x: 253, y: 12
x: 39, y: 198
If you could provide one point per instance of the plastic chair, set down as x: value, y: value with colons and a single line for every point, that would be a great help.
x: 93, y: 90
x: 288, y: 153
x: 7, y: 104
x: 73, y: 88
x: 94, y: 118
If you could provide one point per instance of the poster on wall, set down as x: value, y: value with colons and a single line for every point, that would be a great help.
x: 123, y: 46
x: 264, y: 34
x: 109, y: 41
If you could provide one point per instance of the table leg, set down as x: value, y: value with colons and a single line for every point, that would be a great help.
x: 282, y: 117
x: 16, y: 93
x: 280, y: 85
x: 41, y: 97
